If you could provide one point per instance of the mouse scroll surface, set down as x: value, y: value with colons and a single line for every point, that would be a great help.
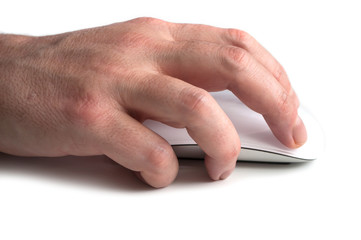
x: 258, y: 142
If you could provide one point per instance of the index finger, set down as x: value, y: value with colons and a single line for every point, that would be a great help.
x: 232, y: 37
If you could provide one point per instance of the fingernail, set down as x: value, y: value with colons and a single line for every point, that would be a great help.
x: 225, y: 174
x: 299, y: 132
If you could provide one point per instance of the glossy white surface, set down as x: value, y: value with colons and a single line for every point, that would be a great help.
x: 318, y: 43
x: 258, y: 142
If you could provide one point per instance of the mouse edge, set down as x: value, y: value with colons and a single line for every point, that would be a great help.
x: 192, y: 151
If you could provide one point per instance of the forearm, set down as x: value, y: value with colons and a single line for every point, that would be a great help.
x: 13, y: 49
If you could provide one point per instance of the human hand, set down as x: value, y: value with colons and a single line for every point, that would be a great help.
x: 88, y: 92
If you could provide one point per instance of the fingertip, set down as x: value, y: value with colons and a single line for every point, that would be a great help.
x: 149, y: 183
x: 154, y: 181
x: 226, y: 174
x: 216, y: 171
x: 299, y: 133
x: 292, y: 135
x: 140, y: 177
x: 163, y: 169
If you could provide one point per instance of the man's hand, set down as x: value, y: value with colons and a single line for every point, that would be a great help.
x: 88, y: 92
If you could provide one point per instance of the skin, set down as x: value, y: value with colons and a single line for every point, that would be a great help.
x: 87, y: 93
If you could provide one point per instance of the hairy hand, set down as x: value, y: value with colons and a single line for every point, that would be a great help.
x: 88, y: 92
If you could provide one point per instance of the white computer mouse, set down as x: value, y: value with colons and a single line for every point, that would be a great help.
x: 258, y: 142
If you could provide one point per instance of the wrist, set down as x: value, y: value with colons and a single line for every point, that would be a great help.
x: 13, y: 85
x: 13, y: 45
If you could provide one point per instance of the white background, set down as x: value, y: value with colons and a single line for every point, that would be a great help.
x: 318, y: 43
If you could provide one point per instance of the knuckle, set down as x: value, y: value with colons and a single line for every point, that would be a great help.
x: 234, y: 57
x: 280, y: 75
x: 160, y: 156
x: 147, y: 20
x: 238, y: 36
x: 287, y: 105
x: 278, y: 72
x: 153, y: 26
x: 282, y: 103
x: 195, y: 101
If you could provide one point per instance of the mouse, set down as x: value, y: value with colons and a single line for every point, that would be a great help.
x: 258, y: 144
